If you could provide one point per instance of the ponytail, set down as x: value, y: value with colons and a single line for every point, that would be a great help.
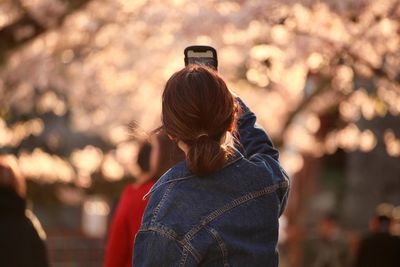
x: 205, y: 156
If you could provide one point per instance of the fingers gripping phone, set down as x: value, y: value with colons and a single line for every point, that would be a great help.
x: 201, y: 55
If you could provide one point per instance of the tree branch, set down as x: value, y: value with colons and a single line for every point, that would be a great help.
x: 27, y: 28
x: 342, y: 50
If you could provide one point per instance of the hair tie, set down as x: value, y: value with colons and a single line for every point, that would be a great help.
x: 201, y: 135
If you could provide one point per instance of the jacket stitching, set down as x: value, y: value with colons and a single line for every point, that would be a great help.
x: 164, y: 197
x: 239, y: 156
x: 192, y: 250
x: 238, y: 201
x: 158, y: 185
x: 221, y: 244
x: 172, y: 235
x: 184, y: 257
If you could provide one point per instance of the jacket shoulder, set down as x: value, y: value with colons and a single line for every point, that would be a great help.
x: 158, y: 194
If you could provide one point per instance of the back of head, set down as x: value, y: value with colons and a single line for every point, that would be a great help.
x: 143, y: 158
x: 384, y: 222
x: 10, y: 176
x: 380, y: 223
x: 198, y: 109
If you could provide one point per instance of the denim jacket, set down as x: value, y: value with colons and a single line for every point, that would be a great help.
x: 228, y: 218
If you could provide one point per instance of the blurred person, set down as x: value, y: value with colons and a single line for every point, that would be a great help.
x: 379, y: 247
x: 219, y: 207
x: 329, y: 248
x: 21, y: 235
x: 154, y: 158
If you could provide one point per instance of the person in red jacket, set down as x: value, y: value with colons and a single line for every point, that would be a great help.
x: 154, y: 159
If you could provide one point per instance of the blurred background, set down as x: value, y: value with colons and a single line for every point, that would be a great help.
x: 81, y: 84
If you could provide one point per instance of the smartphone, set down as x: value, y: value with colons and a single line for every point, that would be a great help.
x: 201, y: 55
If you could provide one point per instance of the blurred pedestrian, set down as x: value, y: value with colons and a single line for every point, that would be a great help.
x: 219, y: 207
x: 379, y: 247
x: 154, y: 158
x: 329, y: 248
x: 20, y: 242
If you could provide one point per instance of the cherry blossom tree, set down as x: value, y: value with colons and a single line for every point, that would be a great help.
x: 78, y: 76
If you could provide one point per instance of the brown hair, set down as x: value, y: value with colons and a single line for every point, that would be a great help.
x: 198, y: 109
x: 10, y: 175
x: 166, y: 153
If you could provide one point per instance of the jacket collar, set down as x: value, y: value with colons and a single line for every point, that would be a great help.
x: 181, y: 172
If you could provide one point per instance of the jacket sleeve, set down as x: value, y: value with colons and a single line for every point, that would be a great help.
x: 153, y: 248
x: 252, y: 136
x: 258, y: 147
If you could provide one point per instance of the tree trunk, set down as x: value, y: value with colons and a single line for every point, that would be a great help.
x: 372, y: 178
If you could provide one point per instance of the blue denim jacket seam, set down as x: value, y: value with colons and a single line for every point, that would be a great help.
x: 283, y: 201
x: 158, y: 185
x: 192, y: 250
x: 171, y: 234
x: 221, y: 244
x: 163, y: 229
x: 160, y: 231
x: 238, y: 157
x: 264, y: 163
x: 233, y: 204
x: 159, y: 206
x: 285, y: 175
x: 184, y: 257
